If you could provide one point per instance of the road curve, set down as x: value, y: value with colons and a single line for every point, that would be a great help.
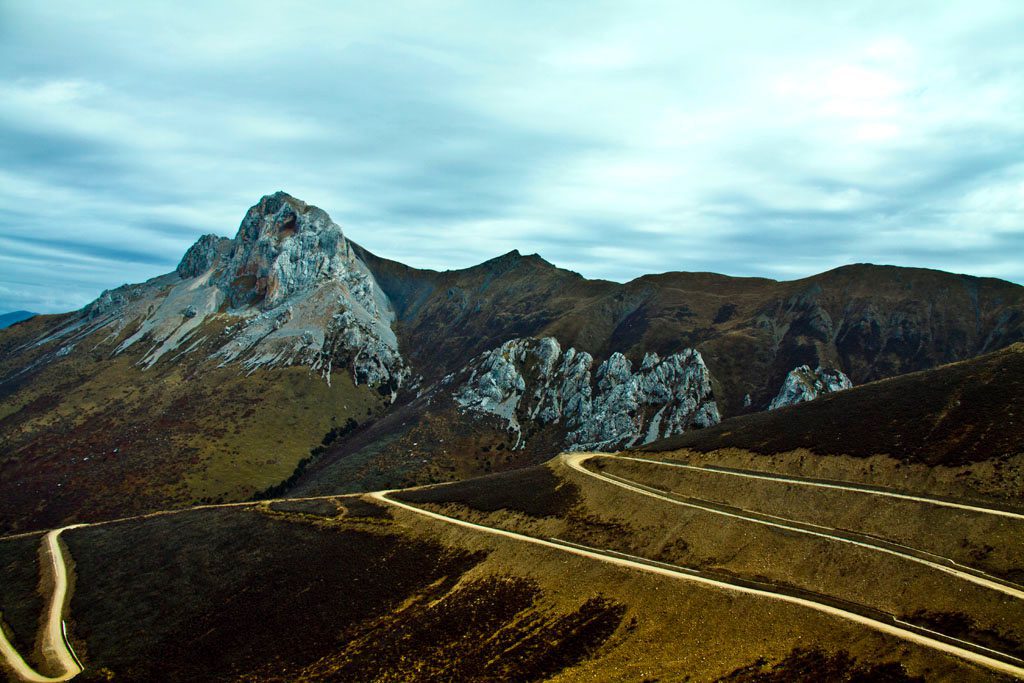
x: 945, y: 565
x: 902, y: 632
x: 843, y: 486
x: 55, y: 646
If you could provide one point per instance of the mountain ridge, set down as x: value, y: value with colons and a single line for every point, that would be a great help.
x: 14, y: 317
x: 256, y: 351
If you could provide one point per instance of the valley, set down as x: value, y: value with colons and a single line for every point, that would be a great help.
x: 505, y: 342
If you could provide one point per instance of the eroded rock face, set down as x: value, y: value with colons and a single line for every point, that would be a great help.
x: 803, y: 384
x: 203, y: 255
x: 676, y: 388
x: 283, y: 246
x: 288, y: 289
x: 530, y: 383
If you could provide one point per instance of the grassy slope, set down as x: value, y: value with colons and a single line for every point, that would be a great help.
x: 186, y: 431
x: 993, y: 544
x: 20, y: 600
x: 293, y: 594
x: 953, y: 415
x: 418, y: 444
x: 565, y: 505
x: 193, y: 597
x: 219, y: 594
x: 90, y: 436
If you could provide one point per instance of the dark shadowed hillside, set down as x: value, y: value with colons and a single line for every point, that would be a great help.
x: 953, y: 415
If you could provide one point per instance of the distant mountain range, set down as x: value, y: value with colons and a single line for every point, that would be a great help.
x: 291, y: 360
x: 8, y: 319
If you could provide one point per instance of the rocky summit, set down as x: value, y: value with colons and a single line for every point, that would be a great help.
x: 804, y: 384
x: 287, y: 290
x: 289, y: 358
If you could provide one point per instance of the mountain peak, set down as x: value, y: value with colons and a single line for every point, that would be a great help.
x: 281, y: 215
x: 261, y: 237
x: 283, y: 245
x: 8, y: 319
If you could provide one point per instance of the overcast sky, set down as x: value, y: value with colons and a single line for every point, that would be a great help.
x: 614, y: 139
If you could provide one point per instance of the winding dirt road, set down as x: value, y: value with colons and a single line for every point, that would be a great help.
x: 928, y: 559
x: 994, y: 660
x: 826, y: 484
x: 55, y: 646
x: 60, y: 656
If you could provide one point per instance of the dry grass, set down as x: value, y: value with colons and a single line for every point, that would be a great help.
x: 130, y: 440
x: 608, y: 516
x: 994, y: 544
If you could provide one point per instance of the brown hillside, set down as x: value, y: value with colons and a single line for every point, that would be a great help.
x: 952, y: 415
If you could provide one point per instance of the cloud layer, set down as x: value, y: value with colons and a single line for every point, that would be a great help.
x: 614, y: 139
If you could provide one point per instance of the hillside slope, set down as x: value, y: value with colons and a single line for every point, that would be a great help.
x: 793, y: 545
x: 231, y: 593
x: 289, y: 358
x: 954, y: 415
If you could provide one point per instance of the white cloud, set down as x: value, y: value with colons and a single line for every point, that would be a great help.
x: 613, y: 139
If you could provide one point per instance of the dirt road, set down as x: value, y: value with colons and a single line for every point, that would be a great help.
x: 55, y: 646
x: 928, y: 559
x: 995, y: 661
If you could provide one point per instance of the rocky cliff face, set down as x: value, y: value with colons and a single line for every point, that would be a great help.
x: 531, y: 383
x: 803, y: 384
x: 287, y: 290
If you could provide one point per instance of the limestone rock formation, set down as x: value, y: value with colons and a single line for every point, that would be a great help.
x: 288, y: 289
x: 203, y: 255
x: 677, y: 388
x: 530, y: 383
x: 803, y: 384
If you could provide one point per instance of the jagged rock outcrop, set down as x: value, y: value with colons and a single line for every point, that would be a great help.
x: 291, y: 290
x: 530, y: 383
x: 203, y: 255
x: 677, y: 388
x: 283, y: 247
x: 803, y: 384
x: 288, y: 289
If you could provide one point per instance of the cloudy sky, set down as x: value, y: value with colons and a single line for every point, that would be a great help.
x: 613, y: 138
